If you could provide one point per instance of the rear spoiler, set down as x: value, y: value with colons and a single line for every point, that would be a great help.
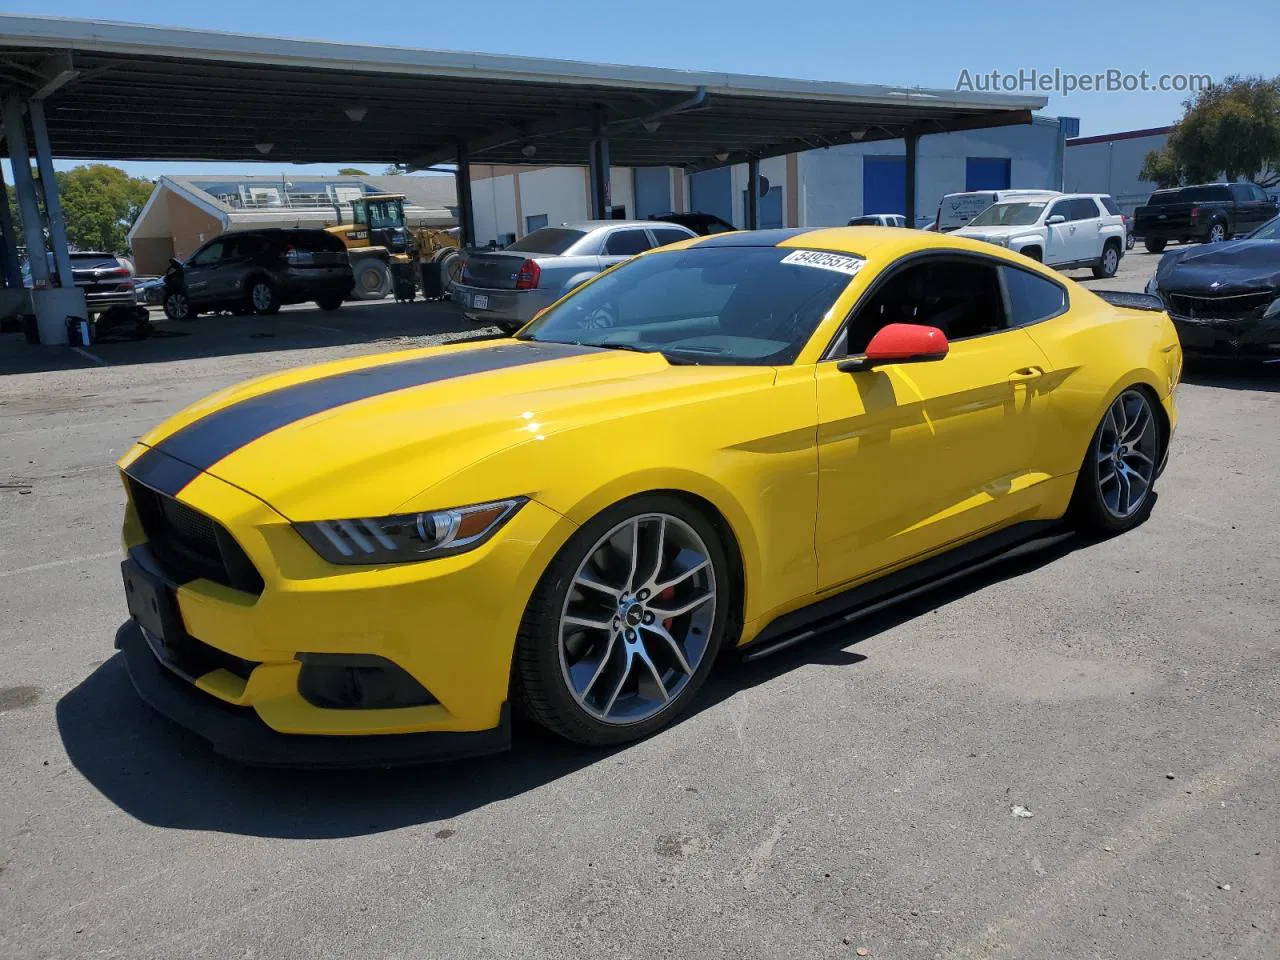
x: 1131, y: 301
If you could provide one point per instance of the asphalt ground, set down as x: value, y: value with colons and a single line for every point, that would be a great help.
x: 857, y: 793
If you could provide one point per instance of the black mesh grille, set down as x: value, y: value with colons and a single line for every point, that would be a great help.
x: 190, y: 546
x: 1243, y: 307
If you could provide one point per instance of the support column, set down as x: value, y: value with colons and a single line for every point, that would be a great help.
x: 10, y: 267
x: 753, y: 193
x: 600, y: 171
x: 466, y: 212
x: 52, y: 201
x: 913, y: 144
x: 15, y: 135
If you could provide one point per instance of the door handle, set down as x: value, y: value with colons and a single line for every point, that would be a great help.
x: 1026, y: 374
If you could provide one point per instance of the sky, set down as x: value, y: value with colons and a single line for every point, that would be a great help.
x: 926, y: 43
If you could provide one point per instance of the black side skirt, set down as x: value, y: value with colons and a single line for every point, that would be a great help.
x: 847, y: 606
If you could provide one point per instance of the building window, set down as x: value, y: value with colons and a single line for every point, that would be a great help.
x: 535, y: 222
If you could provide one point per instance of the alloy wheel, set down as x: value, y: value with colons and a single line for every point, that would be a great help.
x: 1110, y: 260
x: 177, y: 306
x: 1217, y: 233
x: 637, y: 618
x: 1127, y: 449
x: 261, y: 296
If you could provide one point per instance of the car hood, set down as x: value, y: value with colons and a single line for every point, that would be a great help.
x: 365, y: 437
x: 1220, y: 269
x: 982, y: 233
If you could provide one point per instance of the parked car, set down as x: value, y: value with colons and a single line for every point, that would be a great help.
x: 1224, y: 299
x: 106, y: 279
x: 1064, y: 231
x: 703, y: 224
x: 879, y: 220
x: 1205, y: 213
x: 957, y: 209
x: 375, y: 562
x: 149, y: 290
x: 258, y: 271
x: 508, y: 287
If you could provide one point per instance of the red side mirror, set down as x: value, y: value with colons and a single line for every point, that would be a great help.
x: 900, y: 343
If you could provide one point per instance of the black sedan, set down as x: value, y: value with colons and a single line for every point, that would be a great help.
x: 1225, y: 298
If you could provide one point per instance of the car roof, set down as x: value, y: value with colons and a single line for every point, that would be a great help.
x: 586, y: 226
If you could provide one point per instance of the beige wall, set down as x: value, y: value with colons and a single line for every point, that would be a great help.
x: 189, y: 226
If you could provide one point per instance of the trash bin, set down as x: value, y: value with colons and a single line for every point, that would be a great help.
x: 404, y: 280
x: 432, y: 287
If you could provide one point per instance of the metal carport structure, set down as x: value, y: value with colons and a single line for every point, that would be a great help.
x: 94, y: 90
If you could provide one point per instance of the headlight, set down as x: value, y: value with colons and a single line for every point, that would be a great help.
x: 1273, y: 310
x: 407, y: 537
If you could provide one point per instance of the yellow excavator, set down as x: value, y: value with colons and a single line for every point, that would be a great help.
x: 387, y: 256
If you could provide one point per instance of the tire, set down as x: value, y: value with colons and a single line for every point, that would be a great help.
x: 262, y: 297
x: 1104, y: 502
x: 450, y: 261
x: 1129, y: 241
x: 1155, y: 246
x: 1217, y: 232
x: 373, y: 280
x: 329, y: 303
x: 621, y: 663
x: 1110, y: 261
x: 178, y: 307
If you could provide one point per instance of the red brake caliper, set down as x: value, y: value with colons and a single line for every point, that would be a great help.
x: 665, y: 595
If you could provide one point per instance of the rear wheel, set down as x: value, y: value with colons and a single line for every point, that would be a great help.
x: 450, y: 263
x: 1114, y: 487
x: 1154, y: 246
x: 373, y: 280
x: 263, y: 298
x: 329, y: 303
x: 178, y: 307
x: 1109, y: 262
x: 1218, y: 232
x: 1129, y: 241
x: 625, y: 624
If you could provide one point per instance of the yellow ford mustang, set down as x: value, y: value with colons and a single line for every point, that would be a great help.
x: 734, y: 441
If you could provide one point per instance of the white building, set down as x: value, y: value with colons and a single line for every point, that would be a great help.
x: 1111, y: 163
x: 823, y: 187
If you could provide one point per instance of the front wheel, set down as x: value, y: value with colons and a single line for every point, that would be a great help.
x: 1129, y: 241
x: 1154, y: 246
x: 178, y: 307
x: 1217, y: 233
x: 1114, y: 487
x: 329, y: 303
x: 1110, y: 262
x: 625, y: 624
x: 373, y: 280
x: 263, y: 297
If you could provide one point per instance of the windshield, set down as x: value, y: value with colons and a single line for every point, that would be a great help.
x: 549, y: 240
x: 1268, y: 231
x: 386, y: 213
x: 1009, y: 214
x: 725, y: 305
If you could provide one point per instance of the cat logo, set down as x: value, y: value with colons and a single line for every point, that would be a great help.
x: 357, y: 234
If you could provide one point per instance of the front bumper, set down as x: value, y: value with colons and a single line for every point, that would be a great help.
x: 1237, y: 339
x: 100, y: 302
x: 507, y: 308
x: 449, y: 623
x: 238, y: 734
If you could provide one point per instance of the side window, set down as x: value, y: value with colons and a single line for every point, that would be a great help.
x: 1031, y: 298
x: 1060, y: 209
x: 1111, y: 206
x: 246, y: 246
x: 1257, y: 192
x: 210, y: 254
x: 1240, y: 193
x: 1083, y: 208
x: 626, y: 243
x: 665, y: 235
x: 960, y: 297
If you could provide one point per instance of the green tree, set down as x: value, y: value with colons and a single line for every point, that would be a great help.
x: 1159, y: 167
x: 99, y: 204
x: 1230, y: 128
x: 352, y: 172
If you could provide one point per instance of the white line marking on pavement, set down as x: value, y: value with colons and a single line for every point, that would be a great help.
x: 85, y: 353
x: 58, y: 563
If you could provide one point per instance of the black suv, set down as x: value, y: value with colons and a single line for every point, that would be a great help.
x: 258, y: 271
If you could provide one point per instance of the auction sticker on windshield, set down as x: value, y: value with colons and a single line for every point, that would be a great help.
x: 825, y: 261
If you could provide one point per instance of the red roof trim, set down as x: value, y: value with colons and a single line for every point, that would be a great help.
x: 1126, y: 135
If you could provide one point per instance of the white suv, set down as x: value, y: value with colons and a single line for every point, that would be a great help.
x: 1072, y: 230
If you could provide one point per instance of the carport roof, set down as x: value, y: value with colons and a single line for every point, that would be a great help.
x: 118, y: 91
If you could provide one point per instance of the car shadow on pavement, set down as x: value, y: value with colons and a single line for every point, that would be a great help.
x: 1232, y: 374
x: 162, y: 775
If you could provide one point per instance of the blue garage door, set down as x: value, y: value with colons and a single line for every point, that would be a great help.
x: 711, y: 191
x: 884, y: 185
x: 652, y: 191
x: 986, y: 173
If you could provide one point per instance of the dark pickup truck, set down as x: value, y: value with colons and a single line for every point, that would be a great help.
x: 1206, y: 213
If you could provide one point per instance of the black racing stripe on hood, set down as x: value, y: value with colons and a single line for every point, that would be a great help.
x: 204, y: 442
x: 753, y: 238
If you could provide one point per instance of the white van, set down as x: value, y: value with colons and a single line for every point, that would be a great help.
x: 957, y: 209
